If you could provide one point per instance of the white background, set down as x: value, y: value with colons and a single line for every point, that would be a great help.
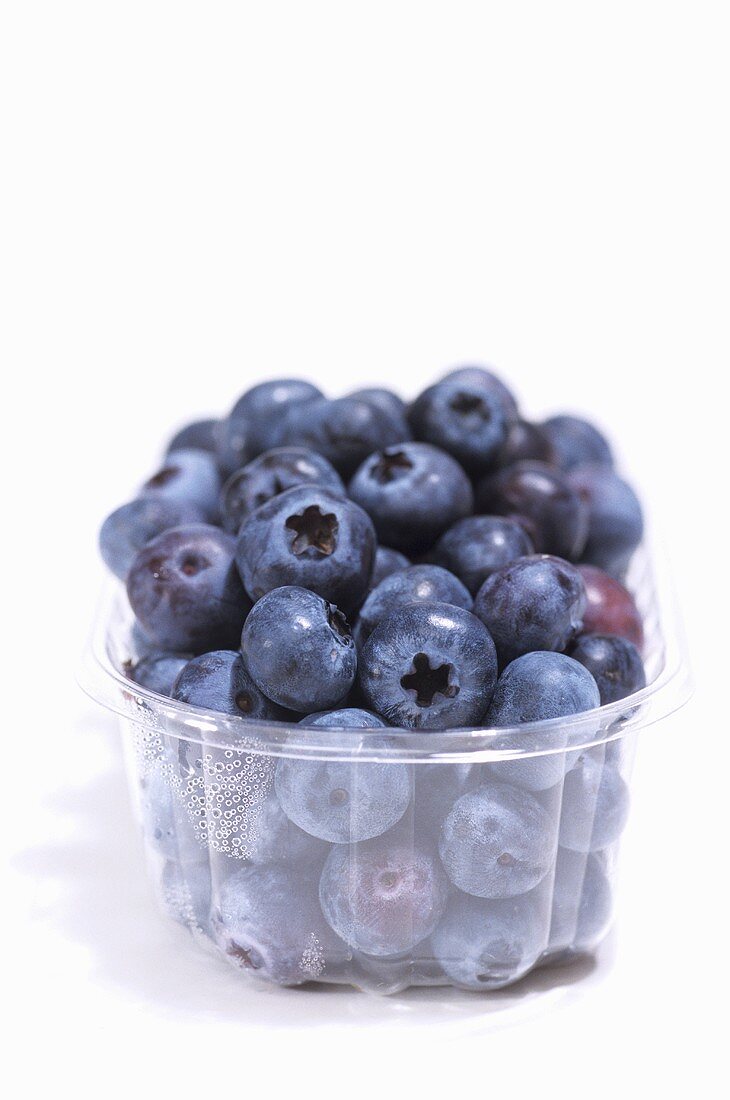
x: 198, y: 195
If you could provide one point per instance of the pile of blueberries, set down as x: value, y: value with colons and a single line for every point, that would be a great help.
x: 360, y: 564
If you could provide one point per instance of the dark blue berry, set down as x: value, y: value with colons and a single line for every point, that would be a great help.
x: 533, y: 603
x: 158, y: 672
x: 429, y: 666
x: 387, y: 562
x: 129, y: 528
x: 185, y: 590
x: 497, y: 841
x: 233, y: 445
x: 615, y: 524
x: 341, y: 801
x: 475, y: 547
x: 576, y: 442
x: 484, y: 943
x: 271, y: 837
x: 312, y: 537
x: 345, y: 431
x: 200, y: 435
x: 487, y: 380
x: 262, y: 407
x: 595, y: 804
x: 382, y: 897
x: 270, y: 474
x: 525, y: 442
x: 218, y: 681
x: 543, y: 501
x: 613, y: 662
x: 465, y: 419
x: 189, y: 477
x: 416, y: 584
x: 413, y: 492
x: 299, y: 650
x: 388, y: 403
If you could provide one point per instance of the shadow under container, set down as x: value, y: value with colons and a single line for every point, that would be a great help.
x: 386, y: 858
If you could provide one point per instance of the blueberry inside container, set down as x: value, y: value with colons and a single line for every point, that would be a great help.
x: 386, y: 858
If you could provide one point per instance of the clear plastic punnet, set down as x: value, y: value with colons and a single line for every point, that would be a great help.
x: 387, y: 858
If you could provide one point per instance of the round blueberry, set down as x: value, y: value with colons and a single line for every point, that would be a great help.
x: 299, y: 650
x: 382, y: 897
x: 233, y: 444
x: 185, y: 590
x: 129, y: 528
x: 613, y: 662
x: 475, y: 547
x: 484, y: 943
x: 272, y: 473
x: 465, y: 419
x: 158, y: 672
x: 610, y: 608
x: 200, y: 435
x: 533, y: 603
x: 268, y: 922
x: 219, y: 681
x: 616, y: 523
x: 350, y: 718
x: 535, y: 687
x: 340, y: 801
x: 189, y: 476
x: 595, y: 804
x: 413, y: 492
x: 487, y: 380
x: 429, y: 666
x: 271, y: 837
x: 525, y: 442
x: 543, y: 501
x: 390, y: 405
x: 387, y: 562
x: 576, y: 442
x: 345, y: 431
x: 416, y: 584
x: 497, y: 842
x: 312, y: 537
x: 262, y: 407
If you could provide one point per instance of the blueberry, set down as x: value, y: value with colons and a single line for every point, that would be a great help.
x: 475, y: 547
x: 595, y: 804
x: 340, y: 801
x: 417, y: 584
x: 436, y: 788
x: 388, y: 403
x: 234, y: 447
x: 576, y: 442
x: 312, y: 537
x: 535, y: 687
x: 268, y: 922
x: 463, y: 418
x: 273, y: 838
x: 487, y: 380
x: 497, y: 841
x: 129, y: 528
x: 526, y: 442
x: 614, y: 664
x: 543, y: 501
x: 270, y: 474
x: 413, y: 493
x: 262, y: 407
x: 345, y: 431
x: 533, y: 603
x: 184, y: 589
x: 484, y: 943
x: 350, y: 718
x: 616, y: 524
x: 610, y: 608
x: 429, y: 666
x: 189, y: 477
x: 186, y: 892
x: 299, y: 650
x: 218, y: 681
x: 158, y: 672
x: 200, y: 435
x: 387, y: 562
x: 582, y: 900
x: 382, y: 897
